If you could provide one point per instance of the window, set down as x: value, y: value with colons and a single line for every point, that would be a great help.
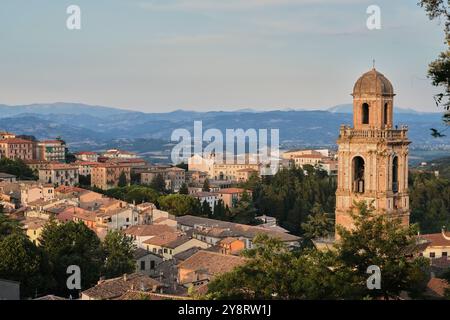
x: 142, y: 265
x: 128, y: 219
x: 395, y: 175
x: 358, y: 175
x: 165, y: 250
x: 365, y: 113
x: 152, y: 265
x: 385, y: 113
x: 444, y: 254
x: 432, y: 254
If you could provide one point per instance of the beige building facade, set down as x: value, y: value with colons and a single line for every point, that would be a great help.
x: 106, y: 175
x: 373, y: 154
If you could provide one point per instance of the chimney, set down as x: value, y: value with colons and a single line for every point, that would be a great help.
x: 125, y: 277
x: 102, y: 279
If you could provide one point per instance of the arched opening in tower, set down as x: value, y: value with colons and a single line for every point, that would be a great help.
x: 358, y: 174
x: 395, y: 175
x: 365, y: 113
x: 385, y: 113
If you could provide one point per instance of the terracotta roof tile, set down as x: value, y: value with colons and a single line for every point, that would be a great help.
x: 211, y: 262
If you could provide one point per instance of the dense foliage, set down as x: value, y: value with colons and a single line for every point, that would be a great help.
x: 118, y: 249
x: 430, y: 202
x: 291, y: 194
x: 274, y: 272
x: 439, y: 70
x: 17, y: 168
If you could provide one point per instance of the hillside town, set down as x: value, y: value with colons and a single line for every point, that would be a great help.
x: 175, y: 256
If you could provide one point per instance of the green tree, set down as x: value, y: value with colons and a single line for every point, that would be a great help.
x: 290, y: 195
x: 430, y: 202
x: 183, y: 166
x: 206, y: 187
x: 72, y: 244
x: 9, y: 226
x: 180, y: 204
x: 272, y: 271
x: 134, y: 193
x: 17, y: 168
x: 158, y: 183
x: 118, y: 249
x: 84, y: 181
x: 439, y: 70
x: 220, y: 212
x: 318, y: 224
x: 206, y: 209
x: 379, y: 240
x: 184, y: 189
x: 123, y: 182
x: 22, y: 261
x: 244, y: 212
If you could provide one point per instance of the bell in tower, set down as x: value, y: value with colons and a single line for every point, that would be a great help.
x: 373, y: 155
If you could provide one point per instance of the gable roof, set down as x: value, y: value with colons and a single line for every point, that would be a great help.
x: 168, y: 240
x: 148, y: 230
x: 437, y: 239
x: 142, y: 295
x: 140, y: 253
x: 183, y: 255
x: 211, y: 262
x: 436, y: 287
x: 113, y: 288
x: 230, y: 229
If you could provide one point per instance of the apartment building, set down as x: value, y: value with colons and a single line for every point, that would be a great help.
x: 24, y: 192
x: 106, y: 175
x: 217, y: 167
x: 51, y: 150
x: 174, y: 177
x: 87, y: 156
x: 85, y: 167
x: 15, y: 148
x: 322, y: 159
x: 59, y: 174
x: 210, y: 197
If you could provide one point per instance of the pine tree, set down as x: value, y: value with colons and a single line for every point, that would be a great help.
x: 123, y: 182
x: 184, y: 189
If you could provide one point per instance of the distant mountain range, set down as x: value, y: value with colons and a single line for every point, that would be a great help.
x: 98, y: 127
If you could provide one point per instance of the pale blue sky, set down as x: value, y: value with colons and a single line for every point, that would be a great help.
x: 161, y: 55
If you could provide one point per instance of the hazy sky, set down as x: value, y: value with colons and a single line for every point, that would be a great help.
x: 161, y: 55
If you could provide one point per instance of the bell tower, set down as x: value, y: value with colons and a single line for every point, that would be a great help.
x: 373, y: 155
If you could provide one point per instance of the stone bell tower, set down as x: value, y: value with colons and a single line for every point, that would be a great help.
x: 373, y: 155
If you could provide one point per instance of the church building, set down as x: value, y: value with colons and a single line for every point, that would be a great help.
x: 373, y: 154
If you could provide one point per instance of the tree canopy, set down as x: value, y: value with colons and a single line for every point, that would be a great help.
x: 273, y: 271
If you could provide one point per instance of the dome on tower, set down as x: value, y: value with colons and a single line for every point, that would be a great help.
x: 373, y: 82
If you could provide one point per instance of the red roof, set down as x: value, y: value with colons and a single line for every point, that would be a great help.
x: 232, y: 191
x: 67, y: 189
x: 15, y: 140
x: 437, y: 239
x: 52, y: 141
x: 437, y: 286
x: 86, y: 153
x: 85, y: 163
